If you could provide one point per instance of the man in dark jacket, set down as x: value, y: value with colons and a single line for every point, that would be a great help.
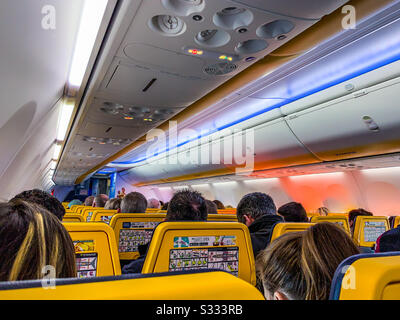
x: 258, y: 212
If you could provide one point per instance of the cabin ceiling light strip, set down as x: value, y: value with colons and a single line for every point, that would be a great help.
x: 92, y: 15
x: 64, y: 119
x: 57, y: 151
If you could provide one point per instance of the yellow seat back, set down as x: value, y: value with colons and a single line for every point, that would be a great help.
x: 72, y: 217
x: 338, y: 214
x: 87, y: 213
x: 338, y: 219
x: 222, y: 217
x: 182, y: 246
x: 101, y: 215
x: 65, y: 205
x: 281, y: 228
x: 227, y: 211
x: 95, y: 249
x: 368, y: 277
x: 396, y: 222
x: 75, y: 207
x: 368, y: 228
x: 191, y: 286
x: 132, y: 230
x: 152, y: 210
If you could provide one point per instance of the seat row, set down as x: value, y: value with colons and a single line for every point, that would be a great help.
x: 185, y: 257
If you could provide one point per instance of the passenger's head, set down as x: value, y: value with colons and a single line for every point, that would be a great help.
x: 89, y: 201
x: 30, y: 239
x: 113, y: 204
x: 323, y: 211
x: 388, y: 241
x: 75, y: 202
x: 165, y: 206
x: 211, y: 207
x: 134, y: 202
x: 45, y: 200
x: 153, y: 203
x: 187, y: 205
x: 100, y: 200
x: 301, y: 265
x: 293, y: 212
x: 254, y: 206
x: 220, y: 205
x: 353, y: 214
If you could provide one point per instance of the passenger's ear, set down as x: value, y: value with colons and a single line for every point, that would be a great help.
x: 280, y: 296
x: 248, y: 220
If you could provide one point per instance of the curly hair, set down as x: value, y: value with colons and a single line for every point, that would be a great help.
x: 43, y: 199
x: 187, y: 205
x: 255, y: 205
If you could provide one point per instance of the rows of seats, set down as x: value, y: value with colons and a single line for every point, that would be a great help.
x: 189, y: 247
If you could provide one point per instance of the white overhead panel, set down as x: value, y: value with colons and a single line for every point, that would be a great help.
x: 162, y: 56
x: 306, y: 9
x: 363, y: 123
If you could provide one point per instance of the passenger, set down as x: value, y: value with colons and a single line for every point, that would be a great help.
x: 391, y: 221
x: 323, y: 211
x: 185, y: 205
x: 220, y: 205
x: 89, y: 201
x: 100, y: 200
x: 165, y: 206
x: 228, y: 207
x: 388, y: 241
x: 30, y: 239
x: 258, y: 212
x: 74, y: 202
x: 44, y: 199
x: 293, y: 212
x: 353, y: 214
x: 133, y: 202
x: 153, y: 203
x: 301, y: 265
x: 113, y: 204
x: 211, y: 207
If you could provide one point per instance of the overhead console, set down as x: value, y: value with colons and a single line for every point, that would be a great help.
x: 159, y: 57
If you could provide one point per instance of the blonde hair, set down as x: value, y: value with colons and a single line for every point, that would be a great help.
x: 301, y: 265
x: 31, y: 238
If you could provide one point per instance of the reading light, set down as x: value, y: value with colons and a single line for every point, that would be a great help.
x: 92, y: 15
x: 63, y: 120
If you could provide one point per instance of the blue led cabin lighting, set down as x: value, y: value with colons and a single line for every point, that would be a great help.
x: 358, y: 64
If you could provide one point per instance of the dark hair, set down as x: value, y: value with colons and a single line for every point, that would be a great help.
x: 388, y: 241
x: 165, y: 206
x: 44, y: 199
x: 220, y: 205
x: 293, y: 212
x: 211, y: 207
x: 255, y: 205
x: 134, y: 202
x: 301, y: 265
x: 353, y: 214
x: 187, y: 205
x: 31, y: 238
